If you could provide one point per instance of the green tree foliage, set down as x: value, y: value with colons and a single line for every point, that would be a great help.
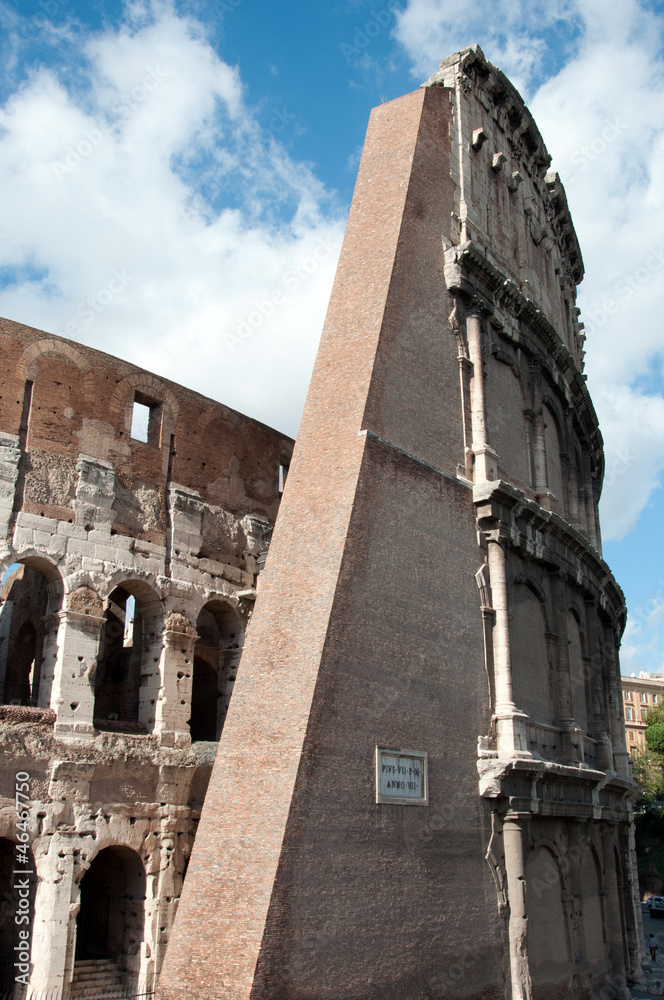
x: 648, y: 762
x: 648, y: 774
x: 655, y: 739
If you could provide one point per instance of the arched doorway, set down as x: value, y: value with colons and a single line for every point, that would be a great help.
x: 111, y: 917
x: 216, y: 659
x: 12, y: 905
x: 127, y: 659
x: 28, y: 632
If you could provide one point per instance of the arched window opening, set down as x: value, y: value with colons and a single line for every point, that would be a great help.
x: 553, y: 460
x: 9, y: 902
x: 25, y: 600
x: 216, y: 658
x: 549, y: 951
x: 111, y: 919
x: 593, y: 912
x: 577, y: 672
x: 119, y: 668
x: 531, y: 673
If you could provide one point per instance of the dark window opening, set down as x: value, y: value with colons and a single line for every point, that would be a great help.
x: 117, y: 680
x: 111, y: 918
x: 216, y: 658
x: 24, y: 603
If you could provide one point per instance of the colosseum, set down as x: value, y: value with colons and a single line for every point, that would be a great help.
x: 435, y: 605
x: 136, y: 516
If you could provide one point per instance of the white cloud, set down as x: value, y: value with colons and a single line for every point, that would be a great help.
x: 602, y: 118
x: 513, y: 33
x: 146, y: 213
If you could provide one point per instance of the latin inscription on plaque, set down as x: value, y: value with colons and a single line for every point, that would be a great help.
x: 401, y: 777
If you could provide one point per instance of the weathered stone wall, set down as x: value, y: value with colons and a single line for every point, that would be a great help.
x: 450, y: 456
x: 124, y: 548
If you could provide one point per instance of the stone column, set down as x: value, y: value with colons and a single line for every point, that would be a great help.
x: 600, y: 710
x: 49, y: 659
x: 614, y: 929
x: 173, y: 707
x: 631, y: 904
x: 511, y: 735
x: 72, y: 695
x: 518, y: 921
x: 486, y: 464
x: 576, y: 844
x: 168, y: 892
x: 621, y: 761
x: 55, y: 919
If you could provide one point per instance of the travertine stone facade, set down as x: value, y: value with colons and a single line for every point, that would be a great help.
x: 134, y: 566
x: 450, y: 458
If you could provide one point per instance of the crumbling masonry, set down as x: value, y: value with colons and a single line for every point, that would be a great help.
x: 461, y: 617
x: 121, y: 629
x: 435, y: 598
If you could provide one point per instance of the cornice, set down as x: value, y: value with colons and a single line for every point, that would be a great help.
x: 547, y: 537
x: 486, y: 287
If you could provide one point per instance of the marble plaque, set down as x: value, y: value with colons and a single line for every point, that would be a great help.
x: 401, y: 777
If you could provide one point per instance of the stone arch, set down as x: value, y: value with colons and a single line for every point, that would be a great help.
x: 149, y: 387
x: 51, y: 347
x: 220, y: 413
x: 549, y: 952
x: 127, y: 676
x: 593, y: 910
x: 553, y: 444
x: 581, y: 492
x: 110, y: 925
x: 577, y: 666
x: 217, y: 655
x: 9, y: 901
x: 30, y: 599
x: 506, y: 403
x: 531, y: 670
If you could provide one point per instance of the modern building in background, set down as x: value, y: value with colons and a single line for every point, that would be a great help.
x: 134, y: 518
x: 639, y: 695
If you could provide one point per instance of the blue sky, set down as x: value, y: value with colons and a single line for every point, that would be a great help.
x: 175, y: 178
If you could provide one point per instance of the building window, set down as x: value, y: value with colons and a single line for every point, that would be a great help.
x: 631, y: 736
x: 628, y: 695
x: 146, y: 420
x: 644, y: 698
x: 644, y: 712
x: 629, y: 714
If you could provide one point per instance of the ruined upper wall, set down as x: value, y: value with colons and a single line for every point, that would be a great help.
x: 61, y: 400
x: 508, y: 208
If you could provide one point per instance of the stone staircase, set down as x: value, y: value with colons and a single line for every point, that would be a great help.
x: 96, y: 977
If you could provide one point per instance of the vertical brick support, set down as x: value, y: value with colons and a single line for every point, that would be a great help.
x: 298, y: 879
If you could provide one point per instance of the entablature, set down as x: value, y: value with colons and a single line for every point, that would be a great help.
x: 506, y: 512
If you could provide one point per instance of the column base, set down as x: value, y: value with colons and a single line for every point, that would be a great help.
x: 511, y: 735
